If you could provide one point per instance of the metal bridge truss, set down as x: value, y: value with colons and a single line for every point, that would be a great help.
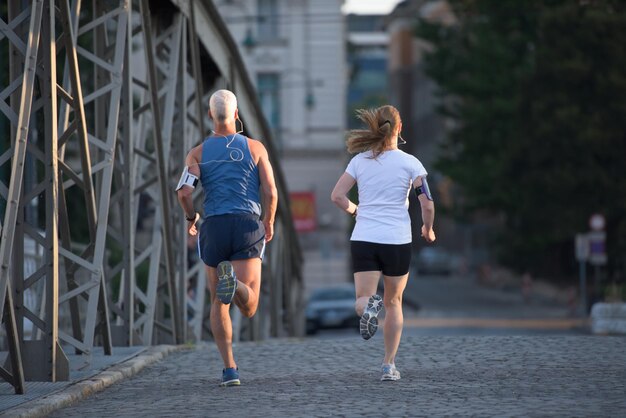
x: 102, y: 101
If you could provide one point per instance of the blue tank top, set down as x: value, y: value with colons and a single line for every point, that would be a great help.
x: 229, y: 176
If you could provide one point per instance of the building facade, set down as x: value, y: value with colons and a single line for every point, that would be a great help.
x: 294, y: 51
x: 368, y: 84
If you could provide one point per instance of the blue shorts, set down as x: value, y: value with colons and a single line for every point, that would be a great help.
x: 231, y: 237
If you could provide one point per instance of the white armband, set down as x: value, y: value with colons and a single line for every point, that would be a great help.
x: 187, y: 179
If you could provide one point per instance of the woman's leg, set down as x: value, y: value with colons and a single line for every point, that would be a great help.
x: 366, y: 284
x: 394, y: 287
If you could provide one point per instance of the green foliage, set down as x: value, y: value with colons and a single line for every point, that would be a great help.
x: 538, y: 91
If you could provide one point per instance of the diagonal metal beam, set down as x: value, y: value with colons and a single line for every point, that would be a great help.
x: 97, y: 160
x: 48, y: 347
x: 15, y: 189
x: 123, y: 232
x: 79, y: 115
x: 161, y: 167
x: 19, y: 153
x: 195, y: 65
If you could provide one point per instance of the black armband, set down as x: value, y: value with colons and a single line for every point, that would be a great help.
x: 424, y: 189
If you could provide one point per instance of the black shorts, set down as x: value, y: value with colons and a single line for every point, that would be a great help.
x: 391, y: 259
x: 231, y: 237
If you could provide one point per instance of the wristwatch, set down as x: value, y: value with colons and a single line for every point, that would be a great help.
x: 193, y: 218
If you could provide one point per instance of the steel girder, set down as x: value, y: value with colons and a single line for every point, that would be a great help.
x: 66, y: 157
x: 151, y: 301
x: 93, y: 150
x: 173, y: 73
x: 20, y: 124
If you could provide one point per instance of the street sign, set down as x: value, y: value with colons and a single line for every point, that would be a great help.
x: 596, y: 222
x: 303, y: 211
x: 597, y: 248
x: 582, y: 247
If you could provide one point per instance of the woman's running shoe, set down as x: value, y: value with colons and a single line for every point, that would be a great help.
x: 390, y: 373
x: 226, y: 282
x: 369, y: 321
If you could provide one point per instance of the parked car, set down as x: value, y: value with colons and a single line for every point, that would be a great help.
x: 434, y: 260
x: 331, y: 307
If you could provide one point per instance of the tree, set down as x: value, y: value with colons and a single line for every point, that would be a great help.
x: 538, y: 92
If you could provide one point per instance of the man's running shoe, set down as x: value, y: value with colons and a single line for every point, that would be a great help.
x: 369, y: 321
x: 390, y: 373
x: 230, y: 377
x: 226, y: 282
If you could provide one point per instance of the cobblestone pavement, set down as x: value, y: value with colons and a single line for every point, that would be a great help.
x: 441, y: 376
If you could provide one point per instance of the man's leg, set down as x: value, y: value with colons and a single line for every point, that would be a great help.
x: 248, y: 273
x: 221, y: 325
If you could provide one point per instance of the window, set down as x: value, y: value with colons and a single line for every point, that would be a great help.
x: 267, y: 20
x: 269, y: 91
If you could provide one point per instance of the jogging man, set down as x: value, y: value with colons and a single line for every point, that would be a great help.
x: 236, y: 177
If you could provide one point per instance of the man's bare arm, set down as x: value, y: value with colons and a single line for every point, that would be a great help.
x: 268, y: 189
x: 185, y: 197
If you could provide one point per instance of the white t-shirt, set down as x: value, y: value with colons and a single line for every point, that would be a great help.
x: 384, y: 185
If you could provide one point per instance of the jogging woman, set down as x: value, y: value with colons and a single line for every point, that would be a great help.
x: 381, y: 239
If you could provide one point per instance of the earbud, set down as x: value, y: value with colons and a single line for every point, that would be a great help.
x: 240, y: 121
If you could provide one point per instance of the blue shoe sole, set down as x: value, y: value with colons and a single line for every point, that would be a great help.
x: 226, y: 282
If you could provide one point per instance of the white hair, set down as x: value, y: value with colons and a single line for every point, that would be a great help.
x: 223, y: 104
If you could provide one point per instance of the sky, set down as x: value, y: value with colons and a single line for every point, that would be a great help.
x: 369, y: 6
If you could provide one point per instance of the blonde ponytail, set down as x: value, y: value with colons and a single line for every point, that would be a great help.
x: 381, y: 124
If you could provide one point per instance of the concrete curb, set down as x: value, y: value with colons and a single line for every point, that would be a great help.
x: 81, y: 389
